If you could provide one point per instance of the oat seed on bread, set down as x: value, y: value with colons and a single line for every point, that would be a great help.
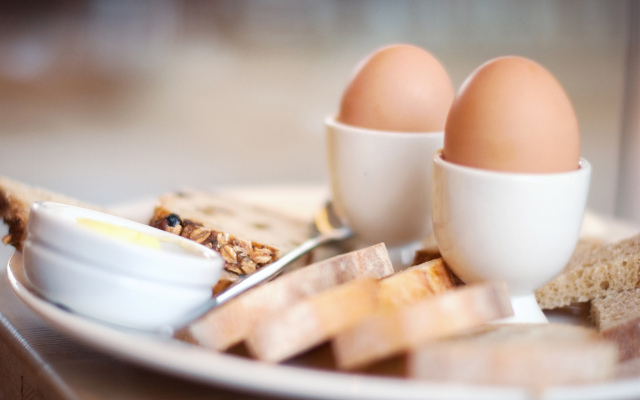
x: 596, y: 269
x: 16, y: 199
x: 248, y: 236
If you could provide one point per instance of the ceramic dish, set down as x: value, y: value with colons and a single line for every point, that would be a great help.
x: 198, y: 364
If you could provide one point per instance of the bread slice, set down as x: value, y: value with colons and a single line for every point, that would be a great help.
x: 383, y: 335
x: 247, y: 236
x: 415, y: 283
x: 16, y: 199
x: 595, y: 270
x: 617, y: 317
x: 313, y: 321
x: 533, y: 355
x: 310, y: 322
x: 232, y: 322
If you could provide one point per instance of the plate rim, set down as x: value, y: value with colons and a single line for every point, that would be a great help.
x: 198, y: 364
x: 169, y: 355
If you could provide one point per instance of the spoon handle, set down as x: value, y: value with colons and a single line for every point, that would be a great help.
x: 262, y: 275
x: 272, y: 270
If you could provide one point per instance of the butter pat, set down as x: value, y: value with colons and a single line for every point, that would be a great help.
x: 120, y: 232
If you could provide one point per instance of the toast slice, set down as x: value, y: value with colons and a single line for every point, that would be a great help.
x: 317, y: 319
x: 415, y: 283
x: 596, y: 269
x: 247, y: 236
x: 617, y: 317
x: 232, y: 322
x: 16, y: 199
x: 387, y: 334
x: 313, y: 321
x: 532, y: 355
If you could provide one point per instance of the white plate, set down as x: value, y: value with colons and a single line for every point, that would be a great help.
x: 196, y: 363
x: 199, y: 364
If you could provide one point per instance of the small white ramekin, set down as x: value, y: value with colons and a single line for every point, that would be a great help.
x: 113, y: 280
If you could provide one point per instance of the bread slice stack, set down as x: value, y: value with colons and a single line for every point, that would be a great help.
x: 233, y: 322
x: 387, y: 334
x: 16, y: 199
x: 247, y: 236
x: 317, y: 319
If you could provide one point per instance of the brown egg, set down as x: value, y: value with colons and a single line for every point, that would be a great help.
x: 398, y: 88
x: 512, y: 115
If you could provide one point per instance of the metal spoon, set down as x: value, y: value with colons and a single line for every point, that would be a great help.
x: 329, y: 227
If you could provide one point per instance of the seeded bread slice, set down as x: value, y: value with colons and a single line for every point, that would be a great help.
x: 596, y: 269
x: 617, y: 317
x: 248, y: 236
x: 533, y: 355
x: 16, y: 199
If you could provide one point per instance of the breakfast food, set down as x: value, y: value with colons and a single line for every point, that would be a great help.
x: 16, y: 199
x: 596, y: 269
x: 509, y: 187
x: 312, y: 321
x: 399, y: 88
x: 247, y: 236
x: 233, y: 322
x: 528, y: 125
x: 415, y: 283
x: 532, y: 355
x: 387, y: 334
x: 617, y: 317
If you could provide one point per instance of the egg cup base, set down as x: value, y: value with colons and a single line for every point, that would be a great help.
x: 525, y: 311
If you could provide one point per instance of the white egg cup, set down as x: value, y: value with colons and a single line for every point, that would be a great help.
x: 380, y: 185
x: 516, y: 228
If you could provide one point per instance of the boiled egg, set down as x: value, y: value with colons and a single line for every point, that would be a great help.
x: 400, y: 88
x: 512, y: 115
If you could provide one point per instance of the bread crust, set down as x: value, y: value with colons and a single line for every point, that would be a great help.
x: 16, y: 199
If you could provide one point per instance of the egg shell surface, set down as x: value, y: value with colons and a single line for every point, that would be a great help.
x: 398, y: 88
x: 512, y: 115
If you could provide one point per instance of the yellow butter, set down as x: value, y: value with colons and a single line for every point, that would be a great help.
x: 121, y: 233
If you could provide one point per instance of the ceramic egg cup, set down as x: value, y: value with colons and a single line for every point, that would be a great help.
x: 517, y: 228
x: 113, y: 280
x: 380, y: 185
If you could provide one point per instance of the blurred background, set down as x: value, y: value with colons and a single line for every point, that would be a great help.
x: 113, y: 100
